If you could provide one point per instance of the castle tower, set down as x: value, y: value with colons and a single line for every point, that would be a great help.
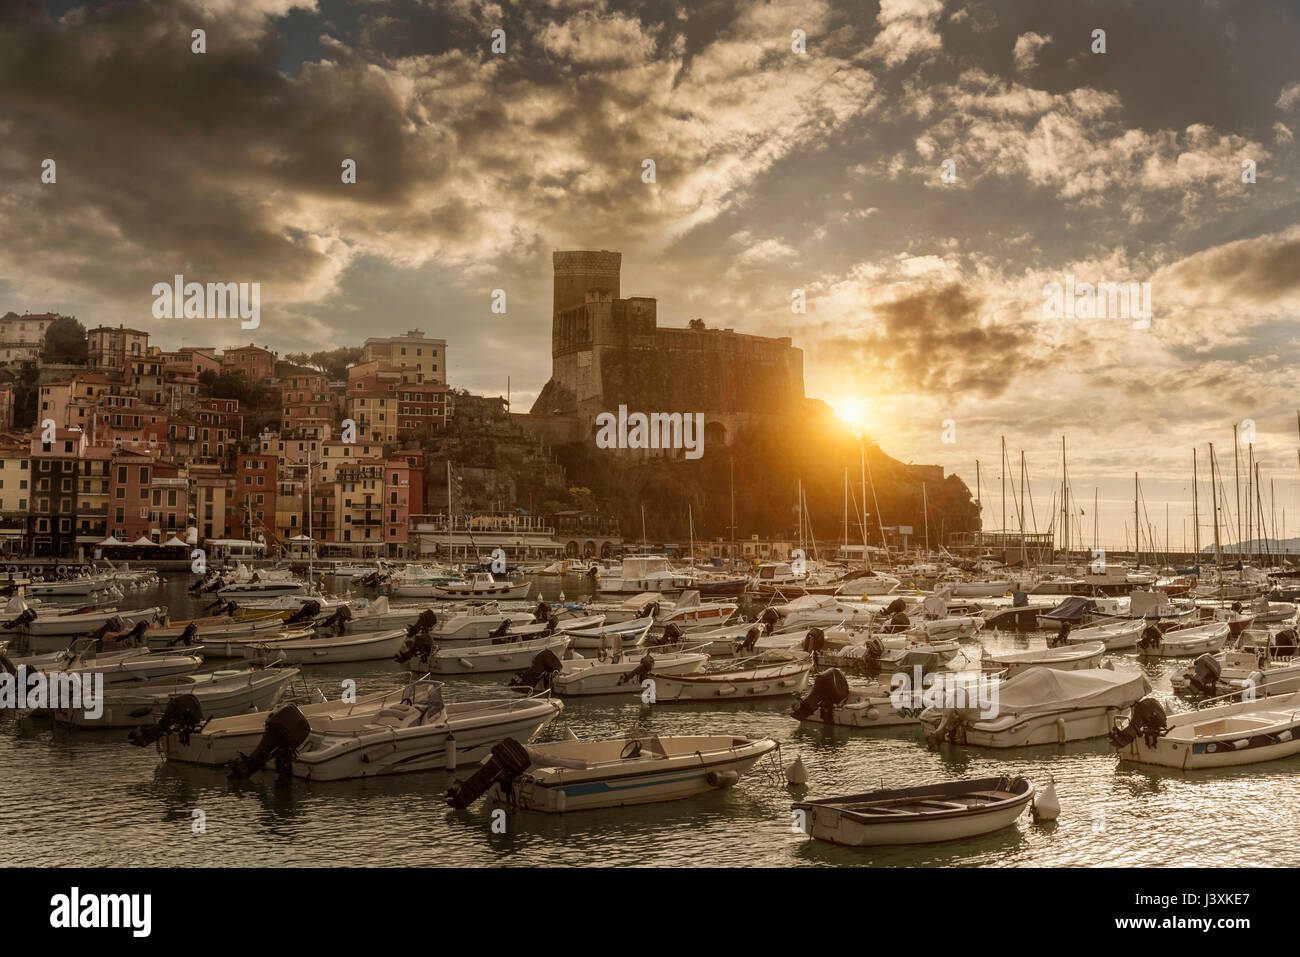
x: 578, y: 271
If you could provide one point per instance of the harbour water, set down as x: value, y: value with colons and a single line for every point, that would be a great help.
x: 88, y: 798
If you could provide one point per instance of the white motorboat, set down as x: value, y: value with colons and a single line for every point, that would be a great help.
x: 646, y: 573
x: 221, y: 740
x: 481, y: 585
x: 489, y: 656
x: 1265, y: 667
x: 629, y: 633
x: 832, y: 701
x: 981, y: 589
x: 884, y: 651
x: 1040, y: 706
x: 621, y: 673
x: 376, y: 615
x: 217, y: 695
x: 690, y: 614
x: 419, y: 733
x: 258, y: 587
x: 771, y: 675
x: 1114, y: 635
x: 367, y: 646
x: 47, y: 632
x: 134, y: 666
x: 1070, y: 657
x: 874, y: 584
x: 920, y: 815
x: 562, y: 776
x: 1245, y: 732
x: 820, y: 611
x: 81, y: 587
x: 1184, y: 642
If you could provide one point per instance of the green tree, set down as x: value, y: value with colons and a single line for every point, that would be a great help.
x: 65, y: 341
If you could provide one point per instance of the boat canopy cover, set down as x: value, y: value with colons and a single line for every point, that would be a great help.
x: 1072, y: 609
x: 807, y: 603
x: 1036, y: 690
x: 637, y: 602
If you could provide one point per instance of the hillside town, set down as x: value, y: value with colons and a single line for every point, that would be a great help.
x: 125, y: 444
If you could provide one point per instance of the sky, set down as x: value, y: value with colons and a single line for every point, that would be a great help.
x: 922, y: 171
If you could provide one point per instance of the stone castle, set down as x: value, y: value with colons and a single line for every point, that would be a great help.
x: 608, y: 351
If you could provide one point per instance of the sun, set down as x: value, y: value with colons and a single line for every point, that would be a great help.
x: 851, y: 411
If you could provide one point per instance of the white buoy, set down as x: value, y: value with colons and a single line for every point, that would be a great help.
x: 796, y: 773
x: 569, y: 735
x: 1047, y: 806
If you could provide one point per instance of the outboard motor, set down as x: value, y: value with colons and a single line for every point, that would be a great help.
x: 183, y: 716
x: 898, y: 623
x: 135, y: 637
x: 829, y: 689
x: 308, y: 612
x: 339, y: 620
x: 896, y: 606
x: 420, y: 646
x: 640, y: 672
x: 1147, y: 721
x: 1205, y: 674
x: 537, y: 676
x: 1151, y: 637
x: 769, y: 617
x: 28, y: 615
x: 751, y: 638
x: 113, y: 624
x: 874, y: 648
x: 672, y: 634
x: 1062, y: 634
x: 507, y: 761
x: 186, y: 637
x: 500, y: 629
x: 815, y: 640
x: 286, y: 730
x: 422, y: 625
x: 541, y: 612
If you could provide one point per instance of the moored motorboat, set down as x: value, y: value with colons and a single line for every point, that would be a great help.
x: 1039, y: 706
x: 490, y: 656
x: 1183, y: 642
x: 1070, y: 657
x: 367, y: 646
x: 1244, y: 732
x: 770, y: 675
x: 1114, y: 635
x: 833, y: 702
x: 562, y: 776
x: 418, y: 733
x: 216, y: 695
x: 919, y: 815
x: 621, y: 673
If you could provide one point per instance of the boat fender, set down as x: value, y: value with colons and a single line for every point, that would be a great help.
x: 1060, y: 731
x: 182, y: 717
x: 1046, y: 806
x: 451, y: 752
x: 1147, y: 720
x: 466, y: 663
x: 796, y: 775
x: 506, y: 761
x: 722, y: 779
x: 286, y: 730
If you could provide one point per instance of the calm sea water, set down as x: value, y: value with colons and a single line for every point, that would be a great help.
x: 88, y: 798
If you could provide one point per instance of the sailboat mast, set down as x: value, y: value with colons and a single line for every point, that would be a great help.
x: 1196, y: 515
x: 1214, y: 508
x: 1236, y: 482
x: 862, y: 449
x: 450, y: 557
x: 925, y: 517
x: 1137, y: 534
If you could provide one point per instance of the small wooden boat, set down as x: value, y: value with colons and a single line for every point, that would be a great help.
x: 621, y: 673
x: 1114, y: 635
x: 630, y: 633
x: 1064, y: 658
x: 771, y: 675
x: 920, y: 815
x: 367, y: 646
x: 562, y: 776
x: 491, y: 656
x: 1184, y: 642
x: 690, y: 614
x: 135, y: 666
x: 831, y: 701
x: 218, y: 694
x: 1247, y: 732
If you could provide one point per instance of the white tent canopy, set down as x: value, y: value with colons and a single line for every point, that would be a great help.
x: 110, y: 541
x: 143, y: 540
x: 173, y: 541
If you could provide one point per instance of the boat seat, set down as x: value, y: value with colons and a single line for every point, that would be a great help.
x: 397, y: 715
